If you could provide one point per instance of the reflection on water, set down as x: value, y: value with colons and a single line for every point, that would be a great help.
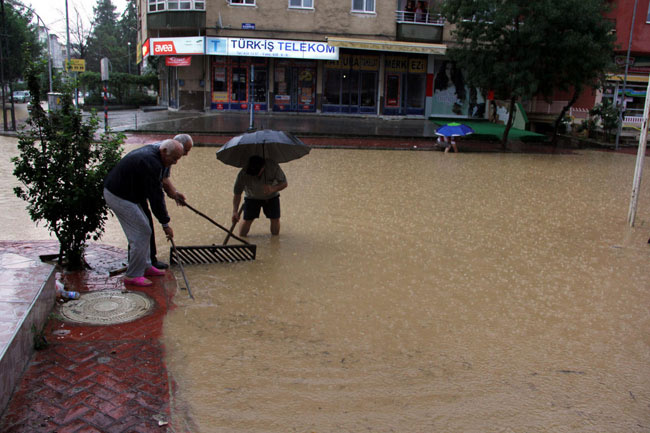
x: 417, y: 292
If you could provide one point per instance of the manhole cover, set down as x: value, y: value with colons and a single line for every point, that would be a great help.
x: 106, y: 307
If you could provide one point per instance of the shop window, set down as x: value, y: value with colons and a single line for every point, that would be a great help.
x: 363, y: 6
x: 332, y: 88
x: 368, y: 89
x: 416, y: 85
x: 239, y: 85
x: 302, y: 4
x: 259, y: 85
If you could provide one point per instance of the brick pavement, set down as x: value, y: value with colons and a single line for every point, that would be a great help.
x: 94, y: 378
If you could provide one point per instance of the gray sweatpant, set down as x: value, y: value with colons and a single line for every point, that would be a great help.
x: 135, y: 224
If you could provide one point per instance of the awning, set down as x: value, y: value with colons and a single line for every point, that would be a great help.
x: 630, y: 78
x: 395, y: 46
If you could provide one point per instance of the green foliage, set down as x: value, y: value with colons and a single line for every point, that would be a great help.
x: 127, y: 88
x: 105, y: 39
x: 21, y: 35
x: 608, y: 116
x: 518, y: 48
x: 62, y: 169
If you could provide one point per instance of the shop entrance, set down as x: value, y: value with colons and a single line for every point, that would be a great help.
x: 405, y: 85
x: 231, y: 78
x: 350, y: 85
x: 172, y: 81
x: 295, y: 86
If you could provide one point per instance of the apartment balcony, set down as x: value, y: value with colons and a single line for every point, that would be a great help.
x: 176, y: 21
x: 419, y: 27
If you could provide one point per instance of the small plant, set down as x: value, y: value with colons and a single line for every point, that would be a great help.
x: 62, y: 169
x: 607, y: 115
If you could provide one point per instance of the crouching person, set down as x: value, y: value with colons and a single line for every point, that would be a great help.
x: 137, y: 177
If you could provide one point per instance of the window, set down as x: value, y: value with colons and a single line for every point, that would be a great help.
x: 303, y: 4
x: 176, y: 5
x: 156, y: 5
x: 363, y: 5
x: 242, y: 2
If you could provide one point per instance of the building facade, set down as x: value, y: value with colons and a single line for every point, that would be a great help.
x: 373, y: 57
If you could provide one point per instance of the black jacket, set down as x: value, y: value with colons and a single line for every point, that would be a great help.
x: 138, y: 177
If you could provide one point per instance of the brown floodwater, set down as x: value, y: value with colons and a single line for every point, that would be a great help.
x: 412, y: 291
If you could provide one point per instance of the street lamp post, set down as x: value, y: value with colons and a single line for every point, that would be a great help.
x: 128, y: 55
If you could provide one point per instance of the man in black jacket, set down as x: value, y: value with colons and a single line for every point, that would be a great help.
x: 134, y: 180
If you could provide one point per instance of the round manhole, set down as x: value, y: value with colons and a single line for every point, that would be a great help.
x: 106, y: 307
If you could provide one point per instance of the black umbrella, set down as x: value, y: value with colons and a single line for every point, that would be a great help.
x: 278, y: 146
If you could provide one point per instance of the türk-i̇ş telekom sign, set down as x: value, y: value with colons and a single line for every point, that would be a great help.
x: 270, y: 48
x: 173, y: 46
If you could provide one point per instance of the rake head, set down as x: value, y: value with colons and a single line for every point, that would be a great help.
x: 213, y: 254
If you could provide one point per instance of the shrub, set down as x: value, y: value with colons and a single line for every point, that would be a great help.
x: 62, y: 169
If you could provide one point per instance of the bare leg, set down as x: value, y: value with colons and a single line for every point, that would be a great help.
x: 275, y: 226
x: 245, y: 227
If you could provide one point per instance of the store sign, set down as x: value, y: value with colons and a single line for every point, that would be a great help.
x: 271, y: 48
x: 146, y: 49
x: 172, y: 46
x: 178, y: 60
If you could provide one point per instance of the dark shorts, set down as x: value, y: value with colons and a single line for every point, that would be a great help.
x: 252, y: 208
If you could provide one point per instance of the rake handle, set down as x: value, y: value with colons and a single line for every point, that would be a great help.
x: 180, y: 265
x: 232, y: 227
x: 216, y: 223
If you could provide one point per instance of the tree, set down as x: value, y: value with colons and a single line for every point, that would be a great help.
x: 62, y: 170
x: 79, y: 35
x: 513, y: 46
x: 105, y: 39
x: 128, y: 26
x: 19, y: 33
x: 579, y: 46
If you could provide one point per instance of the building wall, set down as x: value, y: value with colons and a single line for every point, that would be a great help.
x: 274, y: 19
x: 622, y: 13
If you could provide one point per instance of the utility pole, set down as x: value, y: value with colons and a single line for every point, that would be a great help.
x: 640, y: 159
x: 3, y: 44
x: 627, y: 65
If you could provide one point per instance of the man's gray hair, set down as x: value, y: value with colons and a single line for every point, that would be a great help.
x: 184, y: 139
x: 170, y: 145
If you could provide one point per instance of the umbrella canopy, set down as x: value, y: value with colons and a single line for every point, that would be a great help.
x: 454, y: 130
x: 278, y: 146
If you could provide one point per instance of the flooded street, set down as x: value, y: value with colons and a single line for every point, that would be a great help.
x: 411, y: 292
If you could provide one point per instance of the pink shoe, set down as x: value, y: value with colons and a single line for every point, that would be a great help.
x: 154, y: 272
x: 138, y: 281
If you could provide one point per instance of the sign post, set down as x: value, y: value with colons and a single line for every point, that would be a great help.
x: 252, y: 97
x: 104, y: 69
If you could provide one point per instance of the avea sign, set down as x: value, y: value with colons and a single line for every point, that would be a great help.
x: 172, y: 46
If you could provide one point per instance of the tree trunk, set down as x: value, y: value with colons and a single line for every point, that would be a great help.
x: 511, y: 117
x: 574, y: 98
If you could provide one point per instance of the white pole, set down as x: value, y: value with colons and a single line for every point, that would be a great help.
x: 640, y: 159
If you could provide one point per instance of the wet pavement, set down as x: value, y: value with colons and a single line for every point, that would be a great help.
x: 89, y: 378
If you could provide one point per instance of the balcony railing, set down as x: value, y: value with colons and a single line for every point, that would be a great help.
x: 424, y: 18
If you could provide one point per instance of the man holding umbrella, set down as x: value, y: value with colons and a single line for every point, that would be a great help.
x: 258, y: 155
x: 261, y: 180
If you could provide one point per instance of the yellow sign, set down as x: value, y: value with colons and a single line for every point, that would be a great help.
x: 76, y: 65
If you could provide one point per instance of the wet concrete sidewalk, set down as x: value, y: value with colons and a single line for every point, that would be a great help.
x: 89, y: 377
